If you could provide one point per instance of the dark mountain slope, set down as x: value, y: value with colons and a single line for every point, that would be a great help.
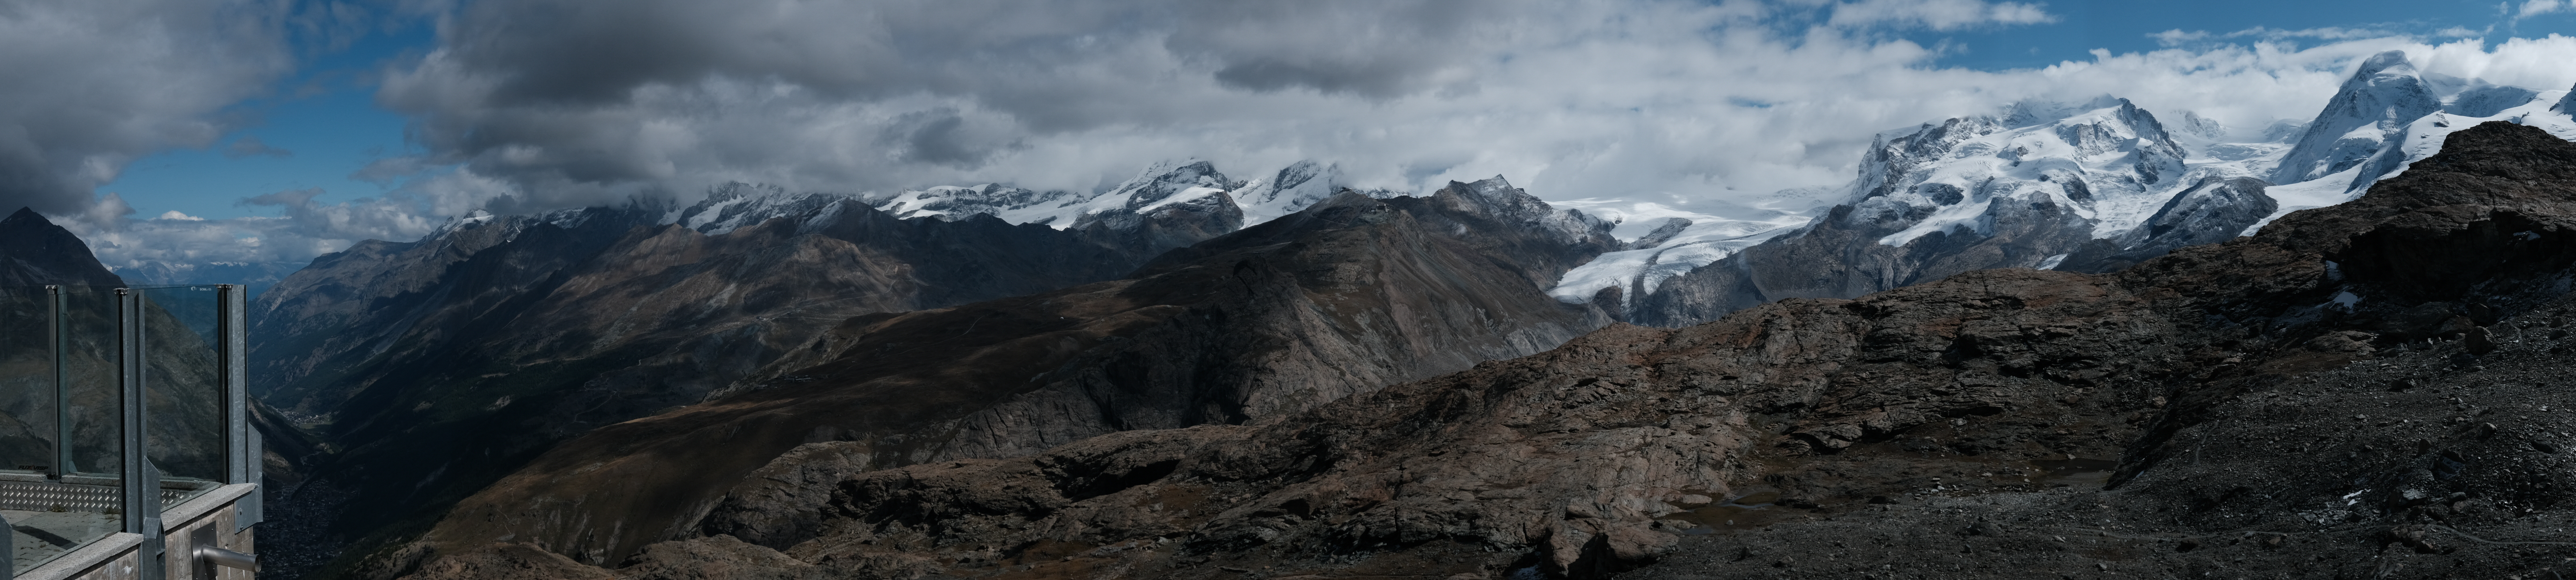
x: 439, y: 366
x: 1915, y: 432
x: 1342, y: 298
x: 39, y: 253
x: 35, y: 253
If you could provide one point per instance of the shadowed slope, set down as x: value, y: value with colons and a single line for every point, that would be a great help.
x: 1342, y: 298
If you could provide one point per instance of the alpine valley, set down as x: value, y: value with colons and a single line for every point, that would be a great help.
x: 2062, y: 339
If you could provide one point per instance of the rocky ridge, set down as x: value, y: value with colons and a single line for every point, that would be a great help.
x: 440, y: 365
x: 1827, y: 436
x: 1335, y: 300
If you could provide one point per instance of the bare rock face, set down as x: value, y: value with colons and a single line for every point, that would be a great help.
x: 1340, y: 299
x: 2224, y: 407
x: 2405, y: 463
x: 779, y: 503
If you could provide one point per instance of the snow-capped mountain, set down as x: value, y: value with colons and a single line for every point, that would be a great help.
x: 2028, y: 186
x: 1159, y: 186
x: 2380, y: 98
x: 2092, y: 186
x: 2389, y: 115
x: 1290, y: 189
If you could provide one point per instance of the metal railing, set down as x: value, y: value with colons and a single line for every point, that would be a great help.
x: 116, y: 403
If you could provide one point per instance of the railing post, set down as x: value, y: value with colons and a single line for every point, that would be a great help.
x: 142, y: 486
x: 57, y: 335
x: 241, y: 437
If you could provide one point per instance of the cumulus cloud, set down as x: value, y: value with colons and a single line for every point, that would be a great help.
x: 93, y: 85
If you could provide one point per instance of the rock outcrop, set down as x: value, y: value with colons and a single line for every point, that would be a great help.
x: 2226, y: 406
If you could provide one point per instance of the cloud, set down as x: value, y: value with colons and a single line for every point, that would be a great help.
x: 2320, y: 33
x: 1939, y: 14
x: 253, y: 147
x: 1701, y: 106
x: 558, y: 103
x: 93, y: 85
x: 2539, y: 7
x: 566, y: 104
x: 388, y: 218
x: 2178, y: 37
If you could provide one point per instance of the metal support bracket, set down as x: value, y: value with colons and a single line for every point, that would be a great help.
x: 204, y: 556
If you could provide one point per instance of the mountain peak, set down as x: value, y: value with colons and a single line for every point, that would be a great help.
x: 1493, y: 188
x: 2385, y: 91
x: 2027, y: 112
x: 2393, y: 62
x: 35, y: 252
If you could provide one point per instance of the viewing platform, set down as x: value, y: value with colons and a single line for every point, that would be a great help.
x: 126, y: 445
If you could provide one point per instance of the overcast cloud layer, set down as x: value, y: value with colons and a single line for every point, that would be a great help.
x: 93, y: 85
x: 554, y: 103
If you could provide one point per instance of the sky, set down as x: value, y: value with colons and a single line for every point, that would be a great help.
x: 276, y: 130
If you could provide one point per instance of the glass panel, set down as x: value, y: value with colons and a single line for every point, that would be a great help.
x: 59, y: 505
x: 28, y: 427
x: 183, y: 396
